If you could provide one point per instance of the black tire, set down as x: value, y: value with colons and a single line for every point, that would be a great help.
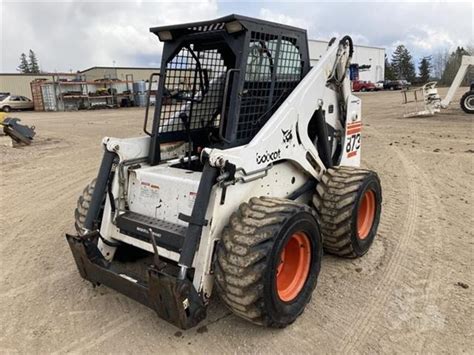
x: 83, y: 203
x: 6, y: 109
x: 343, y: 195
x: 363, y: 89
x: 467, y: 102
x: 248, y: 259
x: 392, y: 88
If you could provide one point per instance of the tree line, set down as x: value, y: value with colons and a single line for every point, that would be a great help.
x: 29, y: 64
x: 441, y: 67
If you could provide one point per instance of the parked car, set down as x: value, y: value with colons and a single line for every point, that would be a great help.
x: 396, y: 84
x: 379, y: 85
x: 359, y: 85
x: 15, y: 102
x: 405, y: 84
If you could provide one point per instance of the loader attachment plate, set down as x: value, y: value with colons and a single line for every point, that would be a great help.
x: 176, y: 301
x: 19, y: 133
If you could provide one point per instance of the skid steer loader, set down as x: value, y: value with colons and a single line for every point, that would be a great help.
x: 250, y: 169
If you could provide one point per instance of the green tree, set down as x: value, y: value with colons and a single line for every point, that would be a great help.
x: 424, y: 69
x: 23, y: 67
x: 389, y: 73
x: 33, y: 62
x: 452, y: 66
x: 402, y: 63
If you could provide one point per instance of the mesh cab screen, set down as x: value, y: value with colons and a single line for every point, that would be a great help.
x: 274, y: 69
x: 194, y: 85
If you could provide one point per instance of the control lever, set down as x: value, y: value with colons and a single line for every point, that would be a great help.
x: 187, y: 126
x: 159, y: 265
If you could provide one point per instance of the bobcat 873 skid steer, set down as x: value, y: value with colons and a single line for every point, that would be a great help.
x: 250, y: 169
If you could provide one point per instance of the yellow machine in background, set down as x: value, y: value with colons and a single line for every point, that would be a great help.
x: 3, y: 115
x: 20, y: 134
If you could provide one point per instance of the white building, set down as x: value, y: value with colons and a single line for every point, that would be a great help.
x: 363, y: 55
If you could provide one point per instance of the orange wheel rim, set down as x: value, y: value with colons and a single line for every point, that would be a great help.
x: 366, y: 214
x: 293, y: 267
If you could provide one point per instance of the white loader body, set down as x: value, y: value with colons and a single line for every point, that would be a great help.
x: 272, y: 164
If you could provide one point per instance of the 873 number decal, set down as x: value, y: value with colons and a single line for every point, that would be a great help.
x: 352, y: 145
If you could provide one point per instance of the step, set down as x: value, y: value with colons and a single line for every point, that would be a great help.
x: 167, y: 235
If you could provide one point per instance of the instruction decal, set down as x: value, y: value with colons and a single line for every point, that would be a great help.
x: 149, y: 192
x: 192, y: 199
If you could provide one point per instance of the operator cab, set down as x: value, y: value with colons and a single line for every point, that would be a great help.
x: 221, y: 80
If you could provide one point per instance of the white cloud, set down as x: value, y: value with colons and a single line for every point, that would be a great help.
x: 424, y: 28
x: 78, y: 35
x: 356, y: 37
x: 270, y: 15
x: 428, y: 38
x: 75, y: 35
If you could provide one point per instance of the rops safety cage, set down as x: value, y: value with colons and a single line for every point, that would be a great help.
x: 222, y: 80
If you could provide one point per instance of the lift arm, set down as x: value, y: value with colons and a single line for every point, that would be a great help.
x: 466, y: 62
x: 269, y: 146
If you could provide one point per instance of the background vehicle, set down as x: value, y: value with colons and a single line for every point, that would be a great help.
x: 396, y: 84
x: 379, y: 85
x: 231, y: 189
x: 431, y: 102
x: 467, y: 100
x: 359, y: 85
x: 14, y: 102
x: 405, y: 84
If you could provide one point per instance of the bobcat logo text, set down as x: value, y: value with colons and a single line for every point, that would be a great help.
x: 268, y: 157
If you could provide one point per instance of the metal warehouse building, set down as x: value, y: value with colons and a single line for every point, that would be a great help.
x: 120, y: 73
x: 19, y: 84
x: 372, y: 58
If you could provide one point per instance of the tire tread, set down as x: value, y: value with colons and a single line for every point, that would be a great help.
x: 334, y: 200
x: 83, y: 203
x: 242, y: 255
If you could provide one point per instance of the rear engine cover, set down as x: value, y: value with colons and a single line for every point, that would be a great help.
x: 163, y: 192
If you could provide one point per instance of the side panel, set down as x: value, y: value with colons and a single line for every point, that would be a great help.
x: 128, y: 148
x: 352, y: 139
x: 282, y: 180
x: 330, y: 98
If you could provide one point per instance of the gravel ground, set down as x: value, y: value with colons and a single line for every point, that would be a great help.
x: 411, y: 293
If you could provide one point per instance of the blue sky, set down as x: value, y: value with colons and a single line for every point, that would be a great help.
x: 72, y: 35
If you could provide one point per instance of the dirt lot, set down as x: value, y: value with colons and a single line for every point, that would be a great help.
x: 411, y: 293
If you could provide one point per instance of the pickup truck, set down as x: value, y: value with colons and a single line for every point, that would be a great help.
x: 359, y: 85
